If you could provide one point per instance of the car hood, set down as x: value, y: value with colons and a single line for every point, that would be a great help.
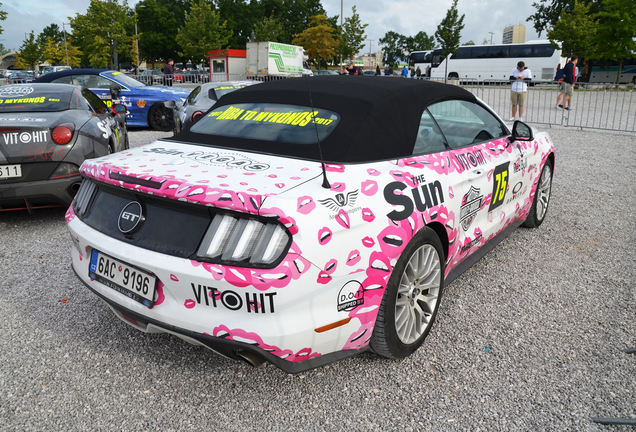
x: 217, y: 177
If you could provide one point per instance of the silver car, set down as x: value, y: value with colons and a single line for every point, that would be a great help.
x: 201, y: 99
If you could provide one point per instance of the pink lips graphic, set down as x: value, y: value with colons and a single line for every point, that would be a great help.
x: 368, y: 242
x: 174, y: 278
x: 323, y: 278
x: 334, y: 168
x: 374, y: 172
x: 343, y: 219
x: 367, y: 215
x: 338, y: 186
x: 305, y: 205
x: 189, y: 303
x: 369, y: 187
x: 354, y: 257
x: 324, y: 235
x: 331, y: 265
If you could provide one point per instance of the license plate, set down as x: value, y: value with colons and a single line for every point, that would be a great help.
x: 126, y: 279
x: 10, y: 171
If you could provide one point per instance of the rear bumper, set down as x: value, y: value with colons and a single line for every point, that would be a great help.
x: 38, y: 194
x: 224, y: 347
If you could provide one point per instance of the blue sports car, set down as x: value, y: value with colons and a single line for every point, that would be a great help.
x: 145, y: 103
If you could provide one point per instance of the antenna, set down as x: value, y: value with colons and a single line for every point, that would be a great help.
x: 325, y: 182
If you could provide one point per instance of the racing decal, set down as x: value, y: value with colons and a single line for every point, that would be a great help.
x: 499, y: 186
x: 106, y: 125
x: 231, y: 300
x: 516, y: 192
x: 231, y: 160
x: 471, y: 204
x: 302, y: 118
x: 141, y: 103
x: 471, y: 159
x: 39, y: 99
x: 340, y: 200
x: 53, y: 153
x: 351, y: 295
x: 428, y: 195
x: 23, y: 120
x: 38, y: 136
x: 15, y: 91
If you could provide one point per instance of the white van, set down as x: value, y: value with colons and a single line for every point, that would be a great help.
x: 49, y: 69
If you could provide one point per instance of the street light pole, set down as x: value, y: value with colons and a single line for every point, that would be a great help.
x: 491, y: 33
x: 137, y: 39
x: 370, y: 45
x: 65, y: 48
x: 341, y: 13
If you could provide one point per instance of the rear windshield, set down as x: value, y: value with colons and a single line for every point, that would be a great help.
x: 269, y: 122
x: 220, y: 91
x: 124, y: 79
x: 26, y: 98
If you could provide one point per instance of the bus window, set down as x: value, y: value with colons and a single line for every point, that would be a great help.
x: 480, y: 52
x: 543, y: 51
x: 521, y: 51
x: 462, y: 53
x: 498, y: 52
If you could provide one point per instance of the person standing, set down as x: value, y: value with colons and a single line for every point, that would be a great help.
x: 418, y: 72
x: 520, y: 76
x: 377, y: 70
x: 569, y: 76
x: 405, y: 72
x: 168, y: 72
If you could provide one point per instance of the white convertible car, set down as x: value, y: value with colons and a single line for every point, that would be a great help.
x: 303, y: 221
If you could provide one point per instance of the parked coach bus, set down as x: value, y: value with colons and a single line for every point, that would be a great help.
x: 495, y: 62
x: 606, y: 73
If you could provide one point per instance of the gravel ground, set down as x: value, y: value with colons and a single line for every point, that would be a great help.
x: 530, y: 338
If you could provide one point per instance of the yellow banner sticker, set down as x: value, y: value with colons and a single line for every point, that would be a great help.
x: 23, y: 100
x: 229, y: 87
x: 301, y: 118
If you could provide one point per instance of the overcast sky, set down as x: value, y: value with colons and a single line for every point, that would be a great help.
x: 407, y: 17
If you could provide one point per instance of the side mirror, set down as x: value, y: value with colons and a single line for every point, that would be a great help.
x: 170, y: 104
x: 119, y: 109
x: 114, y: 92
x: 521, y: 132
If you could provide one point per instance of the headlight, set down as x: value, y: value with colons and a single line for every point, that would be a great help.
x: 244, y: 241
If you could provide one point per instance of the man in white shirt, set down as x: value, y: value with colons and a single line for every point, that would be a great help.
x: 519, y: 77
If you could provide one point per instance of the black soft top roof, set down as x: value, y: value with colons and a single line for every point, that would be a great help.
x: 380, y: 116
x: 53, y: 75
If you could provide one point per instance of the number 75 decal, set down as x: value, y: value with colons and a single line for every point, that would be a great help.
x: 499, y: 185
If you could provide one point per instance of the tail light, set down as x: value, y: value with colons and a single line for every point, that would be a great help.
x: 244, y: 241
x: 196, y: 115
x: 63, y: 133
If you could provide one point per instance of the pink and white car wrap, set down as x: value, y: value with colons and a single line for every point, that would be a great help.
x: 345, y: 240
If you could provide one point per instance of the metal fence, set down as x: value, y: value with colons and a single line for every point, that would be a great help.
x: 593, y: 105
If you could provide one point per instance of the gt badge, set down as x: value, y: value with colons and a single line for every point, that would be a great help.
x: 130, y: 218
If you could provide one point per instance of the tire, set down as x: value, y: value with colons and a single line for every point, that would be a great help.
x: 160, y: 118
x: 453, y: 75
x: 541, y: 198
x: 411, y: 299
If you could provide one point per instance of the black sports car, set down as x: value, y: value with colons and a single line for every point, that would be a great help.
x: 46, y: 132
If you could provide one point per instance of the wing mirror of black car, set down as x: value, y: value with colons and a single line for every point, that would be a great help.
x: 521, y: 132
x: 114, y: 92
x: 119, y: 109
x: 170, y: 104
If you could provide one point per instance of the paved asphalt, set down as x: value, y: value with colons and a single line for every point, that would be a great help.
x: 533, y: 337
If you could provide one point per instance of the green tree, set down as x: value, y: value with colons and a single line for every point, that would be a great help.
x: 158, y: 21
x: 56, y: 52
x: 241, y: 17
x: 549, y: 12
x: 297, y: 14
x: 3, y: 16
x: 575, y: 32
x: 391, y: 44
x: 269, y: 29
x: 318, y: 39
x: 616, y: 30
x: 352, y: 37
x: 422, y: 42
x: 4, y: 50
x: 101, y: 32
x: 51, y: 31
x: 449, y: 32
x: 203, y: 31
x: 29, y: 53
x: 470, y: 42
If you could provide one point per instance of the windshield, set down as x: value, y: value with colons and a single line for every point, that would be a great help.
x: 269, y: 122
x: 125, y: 79
x: 25, y: 98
